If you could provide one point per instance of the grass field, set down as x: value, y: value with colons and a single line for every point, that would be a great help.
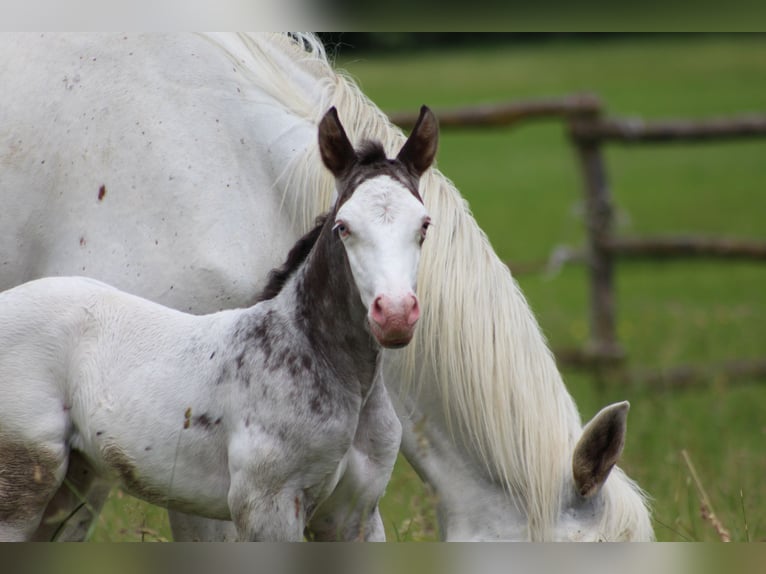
x: 523, y: 186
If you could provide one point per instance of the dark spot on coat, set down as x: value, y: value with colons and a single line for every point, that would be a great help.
x: 82, y: 242
x: 292, y: 366
x: 203, y: 421
x: 101, y: 192
x: 279, y: 359
x: 260, y: 330
x: 224, y: 375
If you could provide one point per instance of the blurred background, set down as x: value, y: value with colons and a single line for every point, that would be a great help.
x: 525, y: 187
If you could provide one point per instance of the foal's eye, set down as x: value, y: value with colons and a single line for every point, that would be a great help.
x: 424, y: 228
x: 342, y: 229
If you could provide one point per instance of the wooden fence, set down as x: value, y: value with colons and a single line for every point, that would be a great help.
x: 589, y: 131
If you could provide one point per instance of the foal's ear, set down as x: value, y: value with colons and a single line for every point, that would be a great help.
x: 337, y: 152
x: 419, y: 150
x: 599, y: 448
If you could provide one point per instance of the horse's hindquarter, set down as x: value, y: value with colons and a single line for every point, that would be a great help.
x: 89, y: 160
x: 35, y: 346
x: 130, y: 381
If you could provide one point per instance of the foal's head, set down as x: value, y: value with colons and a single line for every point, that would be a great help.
x: 381, y: 220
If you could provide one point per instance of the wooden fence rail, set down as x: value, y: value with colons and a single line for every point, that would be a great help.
x: 640, y: 131
x: 667, y: 247
x: 506, y: 114
x: 589, y: 131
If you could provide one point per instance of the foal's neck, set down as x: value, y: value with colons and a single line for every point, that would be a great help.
x: 329, y: 310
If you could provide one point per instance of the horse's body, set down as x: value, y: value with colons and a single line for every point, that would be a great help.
x: 246, y: 414
x: 166, y: 165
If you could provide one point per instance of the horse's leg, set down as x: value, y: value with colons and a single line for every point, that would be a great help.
x: 76, y: 504
x: 261, y: 515
x: 351, y: 511
x: 190, y: 528
x: 31, y: 473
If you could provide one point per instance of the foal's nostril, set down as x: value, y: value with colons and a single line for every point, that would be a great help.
x: 393, y: 319
x: 414, y: 313
x: 388, y: 312
x: 378, y: 313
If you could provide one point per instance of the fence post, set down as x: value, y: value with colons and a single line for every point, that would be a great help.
x: 603, y: 345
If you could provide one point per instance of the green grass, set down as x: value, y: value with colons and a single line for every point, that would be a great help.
x: 524, y: 188
x: 126, y: 519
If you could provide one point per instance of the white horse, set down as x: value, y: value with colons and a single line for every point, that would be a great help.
x: 247, y: 414
x: 167, y: 164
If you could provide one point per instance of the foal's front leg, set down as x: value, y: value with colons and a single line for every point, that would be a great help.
x: 191, y: 528
x: 262, y: 503
x: 262, y: 515
x: 351, y: 512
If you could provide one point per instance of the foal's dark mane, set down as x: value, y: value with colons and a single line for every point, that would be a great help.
x: 370, y: 152
x: 279, y: 276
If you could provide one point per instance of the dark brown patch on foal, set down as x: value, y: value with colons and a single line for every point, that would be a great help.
x: 205, y: 422
x: 27, y: 480
x: 202, y: 421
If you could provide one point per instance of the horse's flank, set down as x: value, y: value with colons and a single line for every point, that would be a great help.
x: 501, y: 391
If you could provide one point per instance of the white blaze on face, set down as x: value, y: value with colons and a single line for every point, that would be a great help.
x: 382, y: 226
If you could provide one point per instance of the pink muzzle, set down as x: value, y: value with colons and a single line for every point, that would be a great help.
x: 392, y: 320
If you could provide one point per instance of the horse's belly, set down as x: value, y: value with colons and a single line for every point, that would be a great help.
x: 163, y: 472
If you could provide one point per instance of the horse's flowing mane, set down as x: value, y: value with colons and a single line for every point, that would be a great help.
x: 502, y: 394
